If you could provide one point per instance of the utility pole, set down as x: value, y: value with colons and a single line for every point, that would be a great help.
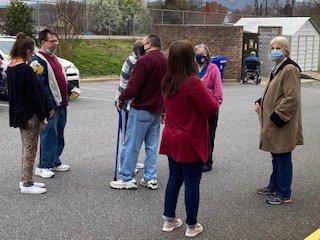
x: 38, y: 16
x: 86, y: 16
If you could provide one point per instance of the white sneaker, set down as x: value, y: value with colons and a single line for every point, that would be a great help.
x: 37, y: 184
x: 169, y: 226
x: 61, y: 168
x: 32, y: 190
x: 152, y: 184
x: 140, y: 165
x: 43, y: 172
x: 119, y: 184
x: 194, y: 231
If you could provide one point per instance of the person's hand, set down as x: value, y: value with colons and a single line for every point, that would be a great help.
x: 119, y: 106
x: 163, y: 118
x: 75, y: 93
x: 51, y: 113
x: 43, y: 123
x: 258, y: 108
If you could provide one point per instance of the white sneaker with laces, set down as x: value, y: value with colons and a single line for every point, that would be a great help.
x: 169, y: 226
x: 43, y: 172
x: 152, y: 184
x: 194, y: 231
x: 140, y: 165
x: 61, y: 168
x: 37, y: 184
x: 32, y: 190
x: 119, y: 184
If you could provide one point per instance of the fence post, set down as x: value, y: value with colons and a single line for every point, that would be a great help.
x: 109, y: 28
x: 182, y: 18
x: 161, y: 16
x: 132, y: 14
x: 204, y: 18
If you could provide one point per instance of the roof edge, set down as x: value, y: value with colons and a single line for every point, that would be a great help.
x: 315, y: 25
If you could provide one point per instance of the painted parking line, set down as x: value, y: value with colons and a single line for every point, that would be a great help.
x: 314, y: 236
x: 97, y: 99
x: 99, y: 89
x: 88, y: 98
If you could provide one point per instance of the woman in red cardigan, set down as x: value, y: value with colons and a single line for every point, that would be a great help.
x: 185, y: 138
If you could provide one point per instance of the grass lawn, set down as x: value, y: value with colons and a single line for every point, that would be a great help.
x: 100, y: 57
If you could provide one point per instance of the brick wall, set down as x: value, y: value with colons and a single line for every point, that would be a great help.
x: 266, y: 34
x: 222, y: 41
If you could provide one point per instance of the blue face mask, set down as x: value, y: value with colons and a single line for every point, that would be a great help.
x: 49, y: 51
x: 201, y: 59
x: 276, y: 55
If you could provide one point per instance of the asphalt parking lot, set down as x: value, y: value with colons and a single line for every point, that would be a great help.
x: 80, y: 204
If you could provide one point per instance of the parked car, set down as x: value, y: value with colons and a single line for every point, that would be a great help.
x: 3, y: 81
x: 6, y: 43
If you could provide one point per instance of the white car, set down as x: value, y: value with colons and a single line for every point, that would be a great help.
x: 6, y: 43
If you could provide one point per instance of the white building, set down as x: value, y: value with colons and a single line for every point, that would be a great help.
x: 302, y: 33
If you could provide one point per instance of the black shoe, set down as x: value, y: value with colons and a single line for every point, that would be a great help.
x: 206, y: 168
x: 265, y: 191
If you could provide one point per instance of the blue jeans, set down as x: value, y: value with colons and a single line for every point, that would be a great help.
x: 142, y: 126
x: 190, y: 174
x: 52, y: 139
x: 281, y: 177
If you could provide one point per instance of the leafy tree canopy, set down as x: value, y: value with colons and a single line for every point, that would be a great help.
x: 19, y: 19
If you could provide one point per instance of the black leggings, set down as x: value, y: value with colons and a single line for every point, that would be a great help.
x: 213, y: 122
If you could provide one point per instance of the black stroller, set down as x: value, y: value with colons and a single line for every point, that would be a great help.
x: 252, y: 72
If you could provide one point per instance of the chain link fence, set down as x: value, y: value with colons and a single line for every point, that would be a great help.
x: 103, y: 19
x: 81, y: 18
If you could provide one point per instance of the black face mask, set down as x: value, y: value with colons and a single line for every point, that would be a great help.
x: 201, y: 59
x: 141, y: 50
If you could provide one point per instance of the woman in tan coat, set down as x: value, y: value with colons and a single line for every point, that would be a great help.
x: 279, y: 112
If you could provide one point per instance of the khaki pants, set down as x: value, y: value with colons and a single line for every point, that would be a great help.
x: 29, y: 138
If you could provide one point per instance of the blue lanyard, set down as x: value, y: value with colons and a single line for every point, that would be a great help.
x: 203, y: 71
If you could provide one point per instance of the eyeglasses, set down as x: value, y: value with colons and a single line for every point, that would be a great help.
x: 53, y: 41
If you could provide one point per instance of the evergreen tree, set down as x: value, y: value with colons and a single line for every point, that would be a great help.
x: 19, y: 19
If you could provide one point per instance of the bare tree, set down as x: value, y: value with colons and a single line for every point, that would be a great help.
x: 68, y: 21
x: 266, y: 8
x: 256, y: 7
x: 289, y: 7
x: 309, y: 8
x: 316, y: 3
x: 188, y: 5
x: 275, y: 8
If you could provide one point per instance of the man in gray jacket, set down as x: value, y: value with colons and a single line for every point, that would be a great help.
x: 126, y: 71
